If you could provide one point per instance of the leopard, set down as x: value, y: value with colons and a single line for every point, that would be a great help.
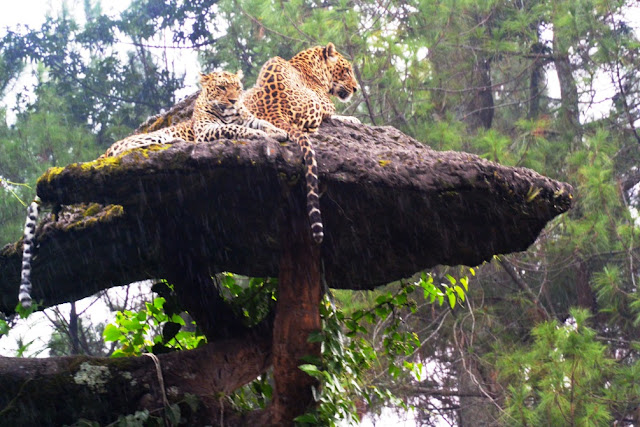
x: 218, y: 113
x: 294, y: 95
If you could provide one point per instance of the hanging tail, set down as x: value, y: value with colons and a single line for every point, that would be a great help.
x: 311, y: 176
x: 27, y: 252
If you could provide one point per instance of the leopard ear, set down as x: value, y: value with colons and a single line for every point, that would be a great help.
x: 203, y: 77
x: 331, y: 53
x: 240, y: 74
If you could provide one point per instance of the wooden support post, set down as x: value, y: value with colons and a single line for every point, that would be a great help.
x: 297, y: 315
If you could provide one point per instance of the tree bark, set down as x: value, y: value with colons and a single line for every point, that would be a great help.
x: 480, y: 109
x: 570, y: 111
x: 535, y: 80
x: 297, y: 316
x: 63, y: 390
x: 476, y: 410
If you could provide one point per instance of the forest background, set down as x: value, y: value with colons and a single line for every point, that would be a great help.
x: 544, y: 337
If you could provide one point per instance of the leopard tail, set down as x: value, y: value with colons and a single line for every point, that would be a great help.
x: 28, y: 244
x: 311, y: 176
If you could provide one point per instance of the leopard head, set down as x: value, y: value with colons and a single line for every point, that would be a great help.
x: 221, y: 87
x: 343, y: 81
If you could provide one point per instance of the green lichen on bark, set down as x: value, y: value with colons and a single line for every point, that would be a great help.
x: 93, y: 376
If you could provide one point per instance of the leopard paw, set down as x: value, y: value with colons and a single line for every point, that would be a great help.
x: 346, y: 119
x: 279, y: 135
x: 257, y: 134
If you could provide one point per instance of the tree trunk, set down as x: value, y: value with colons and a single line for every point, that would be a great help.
x: 475, y: 410
x: 297, y: 315
x: 74, y: 337
x: 570, y: 112
x: 535, y: 79
x: 480, y: 108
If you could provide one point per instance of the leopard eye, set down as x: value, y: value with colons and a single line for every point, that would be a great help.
x: 222, y: 88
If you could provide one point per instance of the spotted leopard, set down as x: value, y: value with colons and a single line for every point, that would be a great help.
x: 294, y: 96
x: 218, y: 113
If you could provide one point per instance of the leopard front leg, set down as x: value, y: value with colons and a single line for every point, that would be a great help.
x: 274, y: 132
x: 247, y: 119
x: 211, y: 132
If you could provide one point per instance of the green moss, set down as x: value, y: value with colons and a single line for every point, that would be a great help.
x: 50, y: 174
x: 151, y: 148
x: 83, y: 223
x: 98, y: 163
x: 146, y: 150
x: 96, y: 213
x: 384, y: 163
x: 114, y: 210
x: 91, y: 210
x: 116, y: 161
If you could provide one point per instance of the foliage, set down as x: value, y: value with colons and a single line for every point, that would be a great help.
x: 565, y: 377
x: 252, y: 297
x: 89, y: 92
x: 153, y: 329
x: 349, y: 355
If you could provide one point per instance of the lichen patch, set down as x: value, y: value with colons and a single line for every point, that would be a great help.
x: 93, y: 376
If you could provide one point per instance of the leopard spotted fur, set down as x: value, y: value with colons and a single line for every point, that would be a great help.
x: 218, y: 113
x: 294, y: 95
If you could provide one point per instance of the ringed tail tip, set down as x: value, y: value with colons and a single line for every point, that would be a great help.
x: 25, y: 300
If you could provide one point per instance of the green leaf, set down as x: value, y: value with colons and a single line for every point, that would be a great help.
x: 307, y: 418
x: 159, y: 302
x: 131, y: 325
x: 384, y: 298
x: 4, y: 327
x: 394, y: 371
x: 452, y: 299
x: 173, y: 413
x: 382, y: 312
x: 401, y: 299
x: 177, y: 319
x: 119, y: 353
x: 370, y: 317
x: 138, y: 340
x: 310, y: 369
x: 111, y: 333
